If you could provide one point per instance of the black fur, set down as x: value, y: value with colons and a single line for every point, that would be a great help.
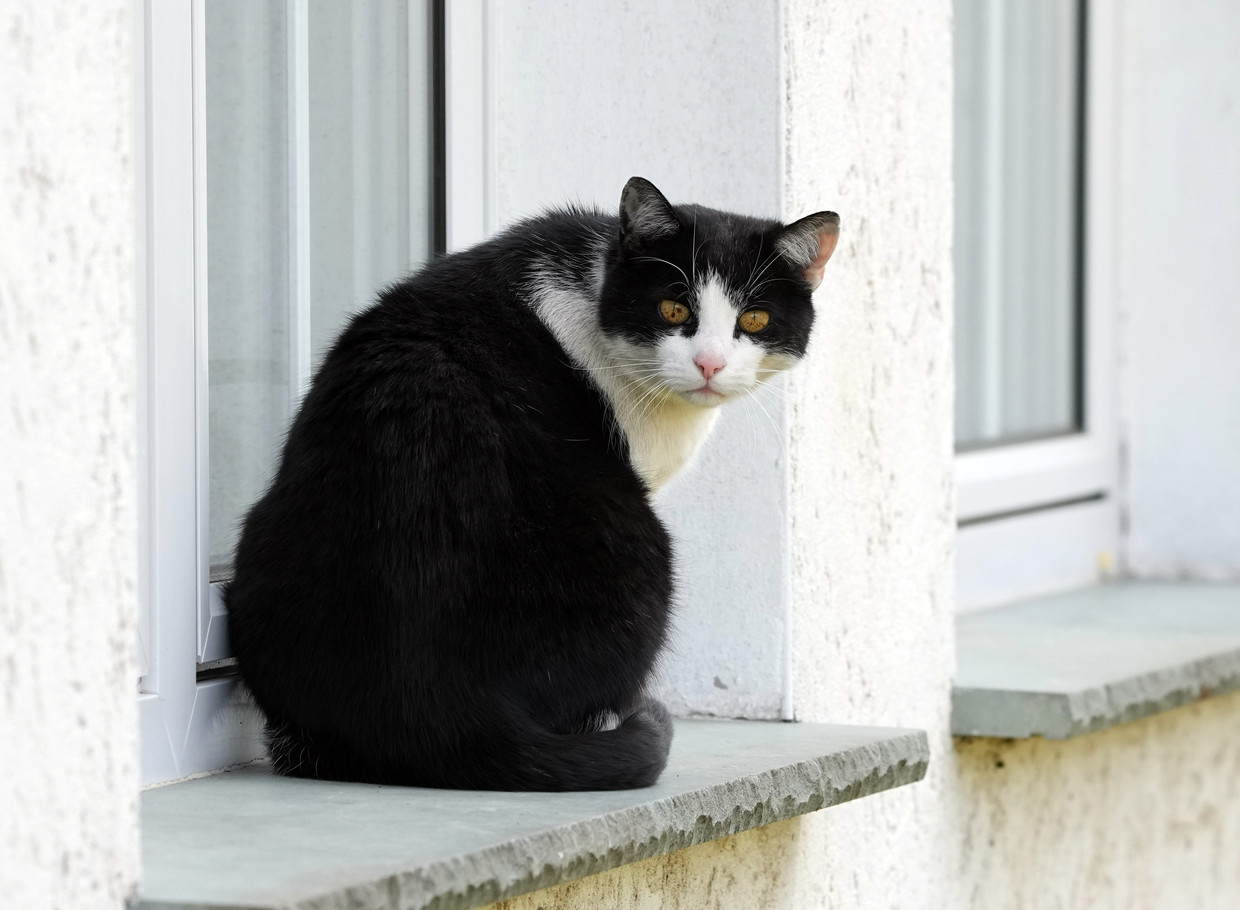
x: 456, y: 574
x: 741, y: 250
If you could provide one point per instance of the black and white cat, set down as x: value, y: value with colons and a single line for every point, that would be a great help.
x: 456, y: 578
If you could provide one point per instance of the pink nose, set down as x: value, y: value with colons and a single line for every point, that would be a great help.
x: 709, y: 364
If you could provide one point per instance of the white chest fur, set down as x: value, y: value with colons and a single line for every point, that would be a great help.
x: 664, y: 432
x: 664, y: 437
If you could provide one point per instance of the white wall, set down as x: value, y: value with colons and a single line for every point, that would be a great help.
x: 1142, y: 817
x: 587, y: 96
x: 872, y: 494
x: 68, y: 511
x: 1179, y: 267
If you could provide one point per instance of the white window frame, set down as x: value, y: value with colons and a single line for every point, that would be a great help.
x: 185, y: 727
x: 1043, y: 516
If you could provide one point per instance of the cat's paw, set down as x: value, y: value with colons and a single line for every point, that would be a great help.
x: 603, y: 722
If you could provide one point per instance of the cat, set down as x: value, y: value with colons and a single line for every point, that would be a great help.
x: 456, y: 578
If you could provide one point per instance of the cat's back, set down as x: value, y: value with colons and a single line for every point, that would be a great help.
x: 472, y: 311
x: 459, y: 348
x: 445, y: 404
x: 465, y: 310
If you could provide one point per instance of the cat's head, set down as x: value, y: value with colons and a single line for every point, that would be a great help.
x: 709, y: 304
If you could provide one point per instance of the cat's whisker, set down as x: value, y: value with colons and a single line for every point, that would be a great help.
x: 693, y: 250
x: 775, y: 429
x: 648, y: 398
x: 783, y: 402
x: 769, y: 385
x: 758, y: 272
x: 770, y: 281
x: 753, y: 439
x: 770, y: 260
x: 620, y: 366
x: 665, y: 262
x: 758, y: 262
x: 756, y: 259
x: 651, y: 398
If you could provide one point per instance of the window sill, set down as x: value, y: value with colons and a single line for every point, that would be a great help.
x: 248, y: 839
x: 1077, y: 663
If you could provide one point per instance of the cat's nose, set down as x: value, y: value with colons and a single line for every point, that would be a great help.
x: 709, y: 364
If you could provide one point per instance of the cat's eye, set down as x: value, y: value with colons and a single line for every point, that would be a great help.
x: 753, y: 321
x: 673, y: 311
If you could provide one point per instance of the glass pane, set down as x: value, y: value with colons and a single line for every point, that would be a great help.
x: 248, y: 256
x: 1017, y: 147
x: 363, y: 207
x: 317, y: 130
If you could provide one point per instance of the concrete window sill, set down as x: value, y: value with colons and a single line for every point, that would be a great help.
x: 1076, y: 663
x: 248, y: 839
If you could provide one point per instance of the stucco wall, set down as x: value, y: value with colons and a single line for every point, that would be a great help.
x: 871, y: 492
x: 68, y: 542
x: 1179, y: 216
x: 1140, y: 817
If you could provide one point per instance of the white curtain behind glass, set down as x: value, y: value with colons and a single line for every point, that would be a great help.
x: 1016, y: 235
x: 317, y: 134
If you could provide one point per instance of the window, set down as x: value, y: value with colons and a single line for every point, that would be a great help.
x: 1036, y: 463
x: 295, y: 160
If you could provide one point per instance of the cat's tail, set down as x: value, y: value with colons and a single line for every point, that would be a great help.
x: 630, y: 756
x: 517, y: 754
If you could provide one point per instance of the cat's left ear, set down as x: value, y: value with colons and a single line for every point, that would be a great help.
x: 809, y: 243
x: 645, y: 214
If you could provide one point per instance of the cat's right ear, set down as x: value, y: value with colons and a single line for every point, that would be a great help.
x: 645, y: 214
x: 809, y: 243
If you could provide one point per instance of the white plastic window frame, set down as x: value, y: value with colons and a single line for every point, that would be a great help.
x: 1040, y: 517
x: 185, y: 727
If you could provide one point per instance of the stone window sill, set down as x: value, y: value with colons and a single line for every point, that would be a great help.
x: 1076, y: 663
x: 248, y: 839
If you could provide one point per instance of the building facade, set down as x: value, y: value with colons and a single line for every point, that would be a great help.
x: 848, y: 492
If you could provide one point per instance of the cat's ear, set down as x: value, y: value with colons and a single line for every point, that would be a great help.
x: 809, y: 243
x: 645, y: 214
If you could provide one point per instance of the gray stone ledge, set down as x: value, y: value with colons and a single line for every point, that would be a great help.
x: 1076, y: 663
x: 246, y: 840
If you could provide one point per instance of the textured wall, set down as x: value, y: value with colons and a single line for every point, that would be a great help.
x: 1179, y: 216
x: 586, y: 100
x: 869, y: 133
x: 68, y: 558
x: 1140, y: 817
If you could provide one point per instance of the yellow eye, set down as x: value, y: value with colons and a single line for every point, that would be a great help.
x: 754, y: 321
x: 673, y: 311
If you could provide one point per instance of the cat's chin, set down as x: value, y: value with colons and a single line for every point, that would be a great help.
x: 704, y: 397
